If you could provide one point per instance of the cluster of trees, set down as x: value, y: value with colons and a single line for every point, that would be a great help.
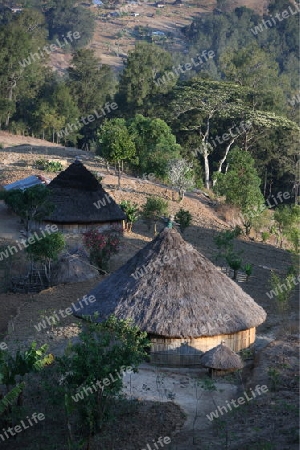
x: 238, y: 99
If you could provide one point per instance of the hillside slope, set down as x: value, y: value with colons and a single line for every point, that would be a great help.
x: 114, y: 37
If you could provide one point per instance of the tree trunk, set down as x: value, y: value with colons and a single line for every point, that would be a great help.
x: 224, y: 158
x: 206, y: 168
x: 265, y: 182
x: 119, y: 175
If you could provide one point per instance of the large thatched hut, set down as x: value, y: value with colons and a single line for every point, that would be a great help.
x: 186, y: 305
x: 81, y: 202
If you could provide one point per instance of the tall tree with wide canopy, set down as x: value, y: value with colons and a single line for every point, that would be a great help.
x: 195, y: 105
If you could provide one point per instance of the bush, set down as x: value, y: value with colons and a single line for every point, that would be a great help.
x: 153, y: 209
x: 265, y: 236
x: 132, y: 212
x: 48, y: 166
x: 102, y: 245
x: 184, y: 218
x: 248, y: 268
x: 104, y: 352
x: 234, y: 262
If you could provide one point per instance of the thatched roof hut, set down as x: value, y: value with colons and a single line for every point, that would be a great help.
x: 180, y: 298
x: 221, y: 358
x: 80, y: 201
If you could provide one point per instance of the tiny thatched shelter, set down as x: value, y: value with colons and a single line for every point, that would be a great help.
x: 221, y: 359
x: 184, y: 303
x: 73, y: 266
x: 81, y: 202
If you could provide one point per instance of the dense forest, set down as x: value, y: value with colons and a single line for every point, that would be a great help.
x: 234, y: 89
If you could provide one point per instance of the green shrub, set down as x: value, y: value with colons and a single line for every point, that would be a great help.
x: 48, y: 166
x: 104, y: 352
x: 132, y: 212
x: 234, y: 262
x: 265, y: 236
x: 154, y: 208
x: 184, y: 218
x: 248, y: 268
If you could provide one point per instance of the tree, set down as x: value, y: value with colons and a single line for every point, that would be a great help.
x: 91, y: 83
x: 48, y: 120
x: 287, y: 221
x: 132, y: 213
x: 241, y: 185
x: 64, y: 17
x: 104, y: 352
x: 46, y: 251
x: 155, y: 145
x: 32, y: 204
x: 115, y: 143
x: 253, y: 67
x: 198, y: 106
x: 180, y: 174
x: 19, y: 78
x: 184, y: 218
x: 283, y: 289
x: 154, y: 209
x: 138, y: 82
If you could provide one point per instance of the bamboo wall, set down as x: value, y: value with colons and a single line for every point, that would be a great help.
x: 78, y: 228
x: 187, y: 352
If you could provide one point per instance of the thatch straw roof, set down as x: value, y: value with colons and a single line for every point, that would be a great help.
x: 74, y: 192
x: 176, y: 297
x: 74, y: 266
x: 221, y: 357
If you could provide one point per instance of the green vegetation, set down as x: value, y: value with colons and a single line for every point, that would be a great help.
x: 153, y: 210
x: 104, y: 352
x: 115, y: 143
x: 132, y: 213
x: 13, y: 368
x: 32, y: 204
x: 225, y: 243
x: 283, y: 288
x: 184, y: 218
x: 45, y: 251
x: 241, y: 185
x: 48, y: 166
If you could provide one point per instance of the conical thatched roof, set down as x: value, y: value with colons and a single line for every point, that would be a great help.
x: 74, y: 192
x: 176, y: 297
x: 221, y: 357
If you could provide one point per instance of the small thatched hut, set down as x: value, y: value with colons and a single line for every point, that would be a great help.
x: 186, y: 305
x: 221, y: 359
x: 81, y: 202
